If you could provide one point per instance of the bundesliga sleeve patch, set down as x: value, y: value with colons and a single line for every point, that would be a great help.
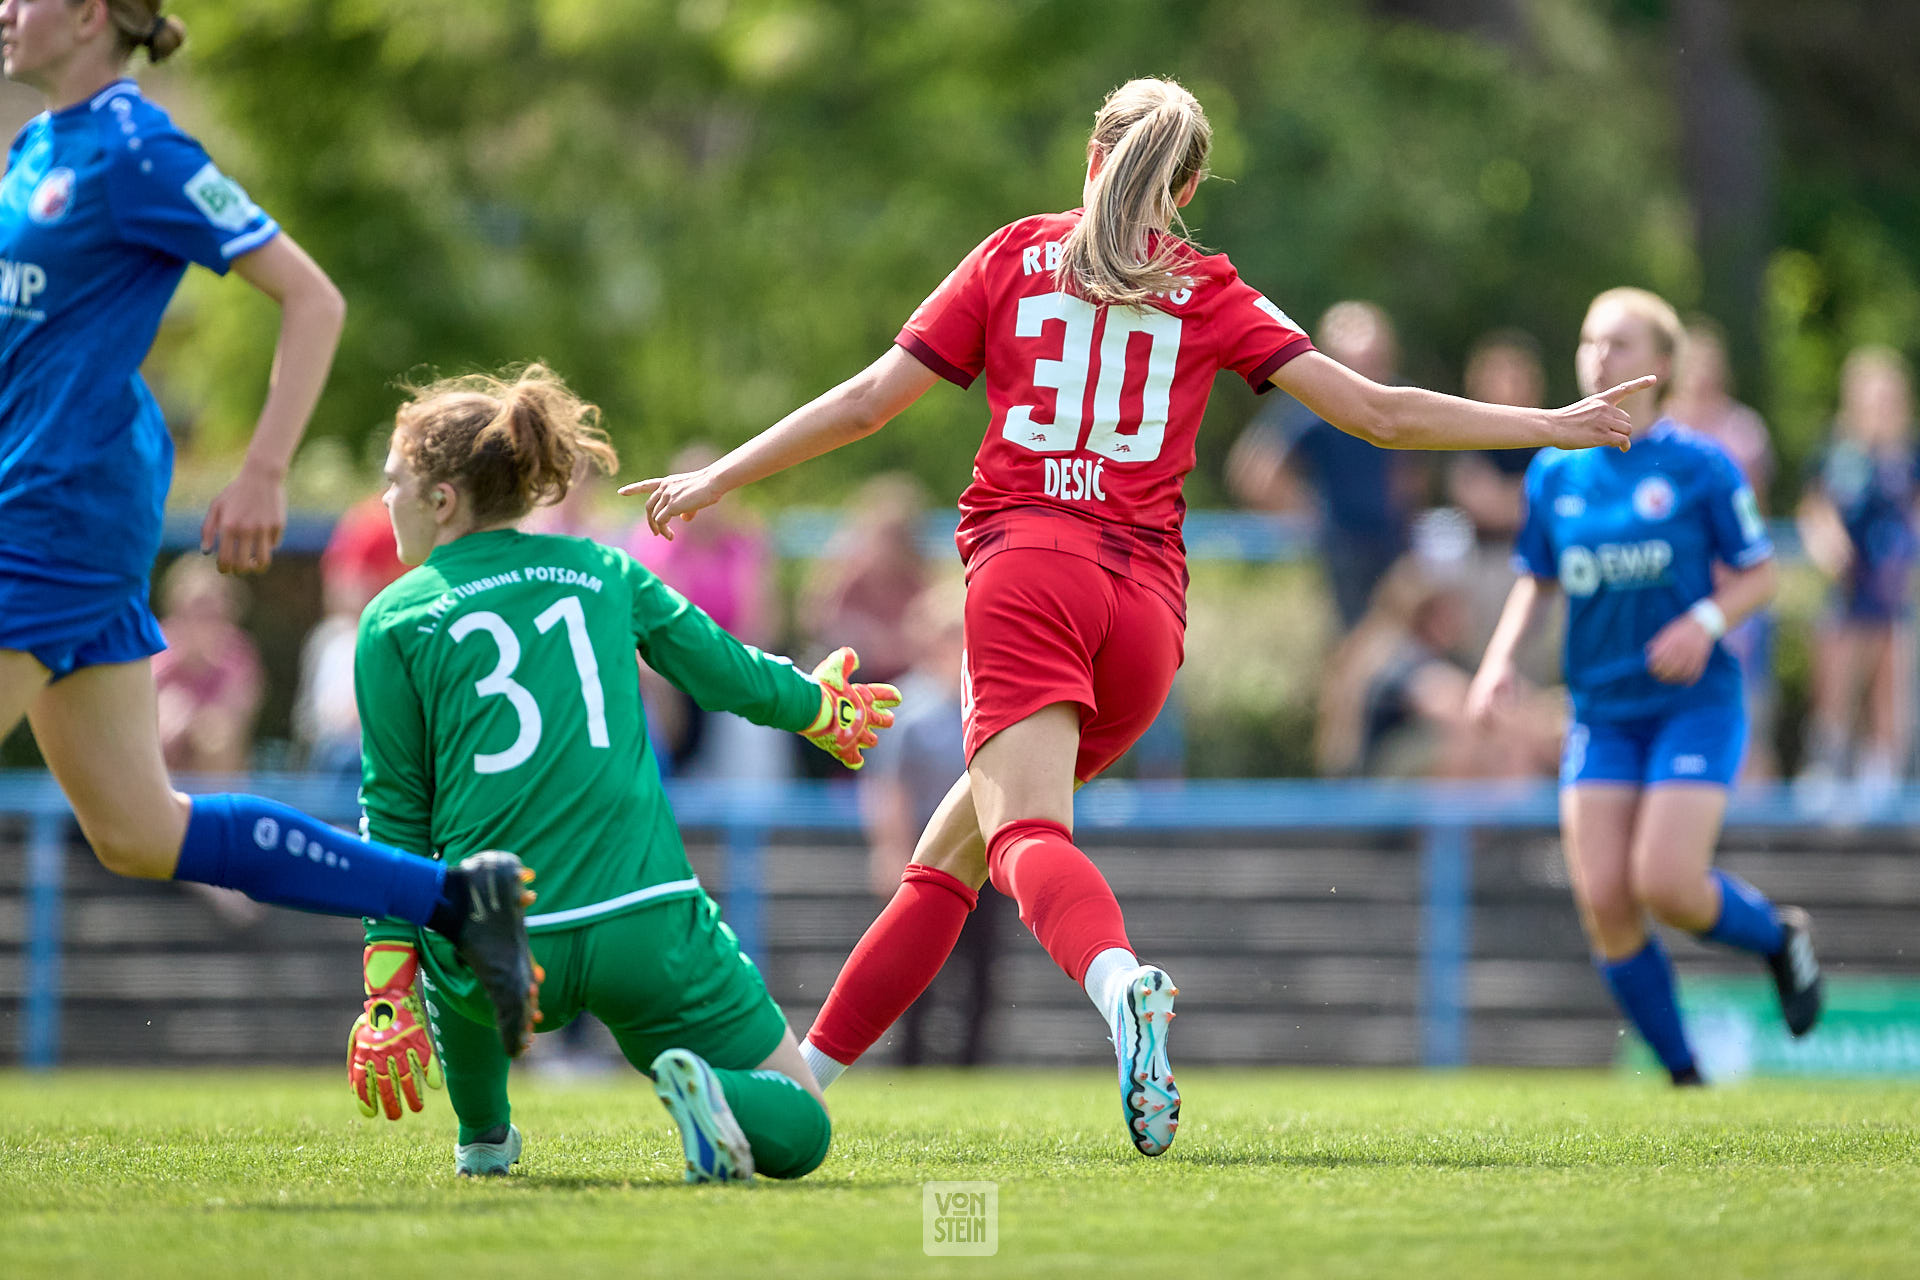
x: 221, y: 199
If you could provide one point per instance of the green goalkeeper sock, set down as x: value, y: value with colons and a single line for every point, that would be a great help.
x: 785, y: 1125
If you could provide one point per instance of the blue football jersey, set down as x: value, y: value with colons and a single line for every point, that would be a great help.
x: 1632, y: 538
x: 103, y: 205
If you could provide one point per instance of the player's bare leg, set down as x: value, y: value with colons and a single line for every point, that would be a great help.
x: 21, y: 679
x: 1674, y: 878
x: 99, y: 730
x: 1596, y: 826
x: 1023, y: 784
x: 1597, y: 821
x: 787, y: 1061
x: 952, y: 841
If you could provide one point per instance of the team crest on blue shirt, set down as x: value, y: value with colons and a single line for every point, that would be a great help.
x: 52, y: 198
x: 1653, y: 498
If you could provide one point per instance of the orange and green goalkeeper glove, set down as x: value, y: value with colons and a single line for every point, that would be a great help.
x: 850, y: 714
x: 389, y: 1051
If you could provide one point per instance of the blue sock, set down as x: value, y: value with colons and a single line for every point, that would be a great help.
x: 1747, y: 920
x: 1642, y: 986
x: 279, y: 855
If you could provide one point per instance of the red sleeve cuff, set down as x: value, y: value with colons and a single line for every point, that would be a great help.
x: 914, y: 345
x: 1298, y: 345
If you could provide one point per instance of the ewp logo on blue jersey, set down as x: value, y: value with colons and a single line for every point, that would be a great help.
x: 21, y: 283
x: 1584, y: 570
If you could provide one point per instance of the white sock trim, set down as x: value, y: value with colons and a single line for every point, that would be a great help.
x: 1103, y: 975
x: 825, y: 1070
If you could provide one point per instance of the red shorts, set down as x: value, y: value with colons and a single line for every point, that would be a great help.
x: 1049, y: 626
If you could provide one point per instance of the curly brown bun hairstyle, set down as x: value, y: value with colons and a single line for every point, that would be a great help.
x: 509, y: 442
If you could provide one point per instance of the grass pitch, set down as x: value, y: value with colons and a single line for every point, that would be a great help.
x: 138, y: 1174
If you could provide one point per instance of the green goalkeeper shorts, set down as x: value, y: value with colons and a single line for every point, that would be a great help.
x: 667, y: 975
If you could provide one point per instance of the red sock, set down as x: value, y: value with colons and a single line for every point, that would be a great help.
x: 1063, y: 897
x: 893, y: 962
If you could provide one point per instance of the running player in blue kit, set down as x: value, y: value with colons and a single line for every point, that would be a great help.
x: 1659, y: 725
x: 103, y: 205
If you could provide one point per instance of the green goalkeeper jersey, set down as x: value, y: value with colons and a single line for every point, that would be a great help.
x: 500, y: 709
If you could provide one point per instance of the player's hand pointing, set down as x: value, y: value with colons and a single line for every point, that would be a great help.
x: 679, y: 495
x: 1599, y: 419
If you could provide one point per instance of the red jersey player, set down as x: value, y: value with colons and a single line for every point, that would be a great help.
x: 1099, y: 332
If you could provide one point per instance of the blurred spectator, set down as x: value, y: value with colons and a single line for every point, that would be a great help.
x: 1703, y: 400
x: 1857, y: 523
x: 208, y: 679
x: 1365, y: 494
x: 907, y: 775
x: 359, y: 560
x: 1393, y: 700
x: 723, y: 563
x: 209, y: 684
x: 1503, y: 368
x: 361, y: 546
x: 578, y: 515
x: 868, y: 575
x: 1489, y: 486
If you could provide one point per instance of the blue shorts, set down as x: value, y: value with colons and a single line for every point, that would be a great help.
x: 70, y: 618
x: 1700, y: 744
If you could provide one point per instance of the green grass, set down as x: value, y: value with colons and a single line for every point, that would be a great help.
x: 1276, y: 1173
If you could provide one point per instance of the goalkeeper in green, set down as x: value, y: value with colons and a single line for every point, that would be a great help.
x: 500, y: 708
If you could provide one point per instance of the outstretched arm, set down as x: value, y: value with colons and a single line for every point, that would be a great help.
x: 855, y: 409
x: 827, y: 708
x: 245, y: 522
x: 1410, y: 418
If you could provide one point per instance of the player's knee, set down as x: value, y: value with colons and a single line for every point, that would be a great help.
x: 1668, y: 895
x: 1612, y: 916
x: 129, y: 850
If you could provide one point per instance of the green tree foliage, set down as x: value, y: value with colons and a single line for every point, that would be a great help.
x: 1847, y: 271
x: 705, y: 211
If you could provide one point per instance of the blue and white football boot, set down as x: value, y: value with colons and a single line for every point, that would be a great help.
x: 716, y: 1149
x: 1149, y: 1099
x: 487, y: 1159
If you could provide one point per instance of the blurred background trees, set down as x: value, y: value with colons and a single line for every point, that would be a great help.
x: 704, y: 211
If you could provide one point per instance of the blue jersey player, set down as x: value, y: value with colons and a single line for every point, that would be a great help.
x: 1637, y: 540
x: 103, y: 206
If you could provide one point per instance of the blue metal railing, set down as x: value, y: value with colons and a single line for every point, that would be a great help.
x: 746, y: 816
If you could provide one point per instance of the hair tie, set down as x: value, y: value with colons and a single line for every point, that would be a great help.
x: 153, y: 32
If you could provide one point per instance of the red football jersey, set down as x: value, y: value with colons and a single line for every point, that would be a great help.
x: 1094, y: 408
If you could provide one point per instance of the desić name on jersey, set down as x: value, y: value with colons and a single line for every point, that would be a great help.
x: 1076, y: 479
x: 1046, y: 257
x: 1584, y: 570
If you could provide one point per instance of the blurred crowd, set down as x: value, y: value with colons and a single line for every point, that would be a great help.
x: 1416, y: 553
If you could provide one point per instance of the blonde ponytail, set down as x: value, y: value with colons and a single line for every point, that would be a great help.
x: 1154, y: 139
